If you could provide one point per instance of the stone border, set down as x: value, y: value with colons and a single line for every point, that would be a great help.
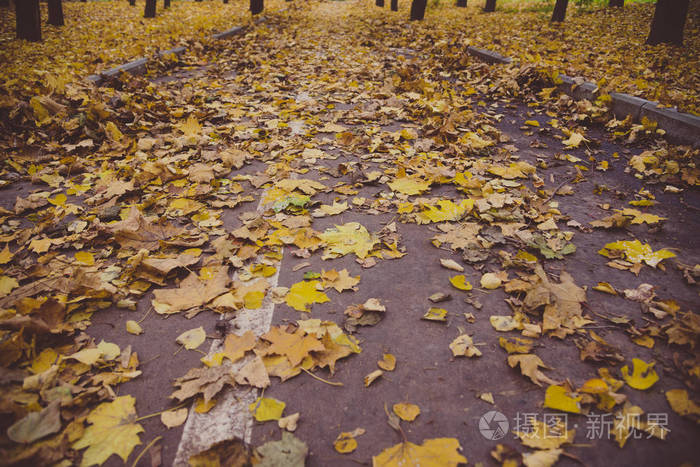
x: 138, y: 66
x: 680, y: 127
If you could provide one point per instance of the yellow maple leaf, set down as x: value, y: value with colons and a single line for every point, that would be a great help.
x: 437, y: 452
x: 636, y: 252
x: 639, y: 217
x: 305, y: 293
x: 409, y: 185
x: 352, y: 237
x: 444, y: 210
x: 113, y: 430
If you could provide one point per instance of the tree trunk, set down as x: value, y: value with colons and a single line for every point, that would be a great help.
x: 28, y: 20
x: 559, y: 12
x: 418, y: 9
x: 166, y: 4
x: 490, y: 6
x: 5, y: 3
x: 150, y: 10
x: 56, y: 12
x: 616, y: 3
x: 379, y: 3
x: 256, y: 6
x: 462, y: 3
x: 225, y: 2
x: 132, y: 2
x: 394, y: 5
x: 668, y: 23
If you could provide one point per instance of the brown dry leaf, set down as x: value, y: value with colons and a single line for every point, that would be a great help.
x: 207, y: 381
x: 137, y: 232
x: 293, y: 345
x: 173, y: 418
x: 192, y: 292
x: 253, y: 374
x: 339, y: 280
x: 530, y: 365
x: 433, y: 452
x: 235, y: 346
x: 387, y: 363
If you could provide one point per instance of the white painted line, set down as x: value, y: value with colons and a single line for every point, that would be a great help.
x: 230, y: 416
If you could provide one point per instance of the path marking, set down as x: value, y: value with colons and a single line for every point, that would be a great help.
x: 230, y: 417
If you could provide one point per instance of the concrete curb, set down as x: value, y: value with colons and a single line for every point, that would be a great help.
x: 681, y: 128
x: 488, y: 56
x: 138, y: 66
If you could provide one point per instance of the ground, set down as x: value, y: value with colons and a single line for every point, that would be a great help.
x: 263, y: 144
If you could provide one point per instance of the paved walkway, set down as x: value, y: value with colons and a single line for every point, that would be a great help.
x: 342, y: 99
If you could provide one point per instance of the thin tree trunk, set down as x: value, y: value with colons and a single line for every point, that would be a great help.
x: 256, y: 6
x: 616, y: 3
x: 132, y: 2
x: 379, y: 3
x: 462, y: 3
x: 28, y: 20
x: 166, y: 4
x: 149, y: 10
x: 490, y: 6
x: 668, y: 23
x: 225, y: 2
x: 5, y: 3
x: 56, y: 12
x: 559, y: 12
x: 418, y: 9
x: 394, y: 5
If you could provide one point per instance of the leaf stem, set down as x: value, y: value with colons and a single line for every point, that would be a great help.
x: 332, y: 383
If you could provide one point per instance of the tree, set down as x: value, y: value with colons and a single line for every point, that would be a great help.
x: 668, y: 22
x: 490, y: 6
x: 559, y: 12
x: 149, y: 10
x: 28, y: 20
x: 394, y: 5
x: 132, y: 2
x: 616, y: 3
x: 56, y: 12
x: 166, y: 4
x: 5, y: 3
x: 379, y: 3
x: 462, y: 3
x: 418, y: 9
x: 256, y: 6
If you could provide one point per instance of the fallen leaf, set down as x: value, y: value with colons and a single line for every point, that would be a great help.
x: 463, y: 346
x: 112, y: 430
x: 433, y: 452
x: 173, y: 418
x: 406, y: 412
x: 387, y: 363
x: 192, y: 339
x: 267, y: 408
x: 304, y: 294
x: 643, y: 374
